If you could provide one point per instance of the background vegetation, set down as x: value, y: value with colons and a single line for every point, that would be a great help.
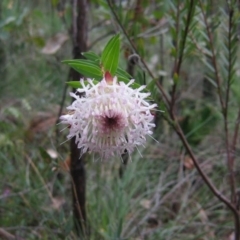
x: 160, y: 195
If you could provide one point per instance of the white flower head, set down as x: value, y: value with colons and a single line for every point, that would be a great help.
x: 109, y: 117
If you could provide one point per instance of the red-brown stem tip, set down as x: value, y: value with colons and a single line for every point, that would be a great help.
x: 108, y: 77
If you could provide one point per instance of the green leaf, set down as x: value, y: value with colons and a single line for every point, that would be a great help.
x: 86, y: 67
x: 77, y: 84
x: 74, y: 84
x: 151, y: 87
x: 91, y: 56
x: 110, y: 55
x: 86, y: 61
x: 121, y: 72
x: 123, y: 79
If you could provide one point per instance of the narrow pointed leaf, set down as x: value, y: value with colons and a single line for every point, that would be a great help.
x: 121, y: 72
x: 110, y: 55
x: 80, y: 61
x: 86, y: 67
x: 91, y: 56
x: 74, y: 84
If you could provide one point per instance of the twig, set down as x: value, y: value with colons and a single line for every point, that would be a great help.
x: 236, y: 135
x: 175, y: 60
x: 230, y: 158
x: 207, y: 180
x: 179, y: 58
x: 213, y: 58
x: 224, y: 107
x: 166, y: 99
x: 161, y: 57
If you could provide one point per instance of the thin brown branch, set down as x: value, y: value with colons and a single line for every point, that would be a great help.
x: 165, y: 97
x: 230, y: 159
x: 185, y: 34
x: 236, y: 134
x: 221, y: 197
x: 224, y: 108
x: 179, y: 57
x: 213, y: 58
x: 175, y: 68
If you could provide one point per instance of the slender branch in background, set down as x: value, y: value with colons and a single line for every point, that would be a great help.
x: 231, y: 205
x: 236, y: 135
x: 179, y: 58
x: 133, y: 59
x: 213, y: 58
x: 175, y: 42
x: 161, y: 56
x: 185, y: 34
x: 224, y: 104
x: 230, y: 159
x: 77, y: 168
x: 206, y: 179
x: 165, y: 97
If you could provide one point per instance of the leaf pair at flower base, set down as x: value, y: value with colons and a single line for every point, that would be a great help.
x: 95, y: 67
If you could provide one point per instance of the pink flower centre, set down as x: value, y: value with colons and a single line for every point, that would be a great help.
x: 111, y: 122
